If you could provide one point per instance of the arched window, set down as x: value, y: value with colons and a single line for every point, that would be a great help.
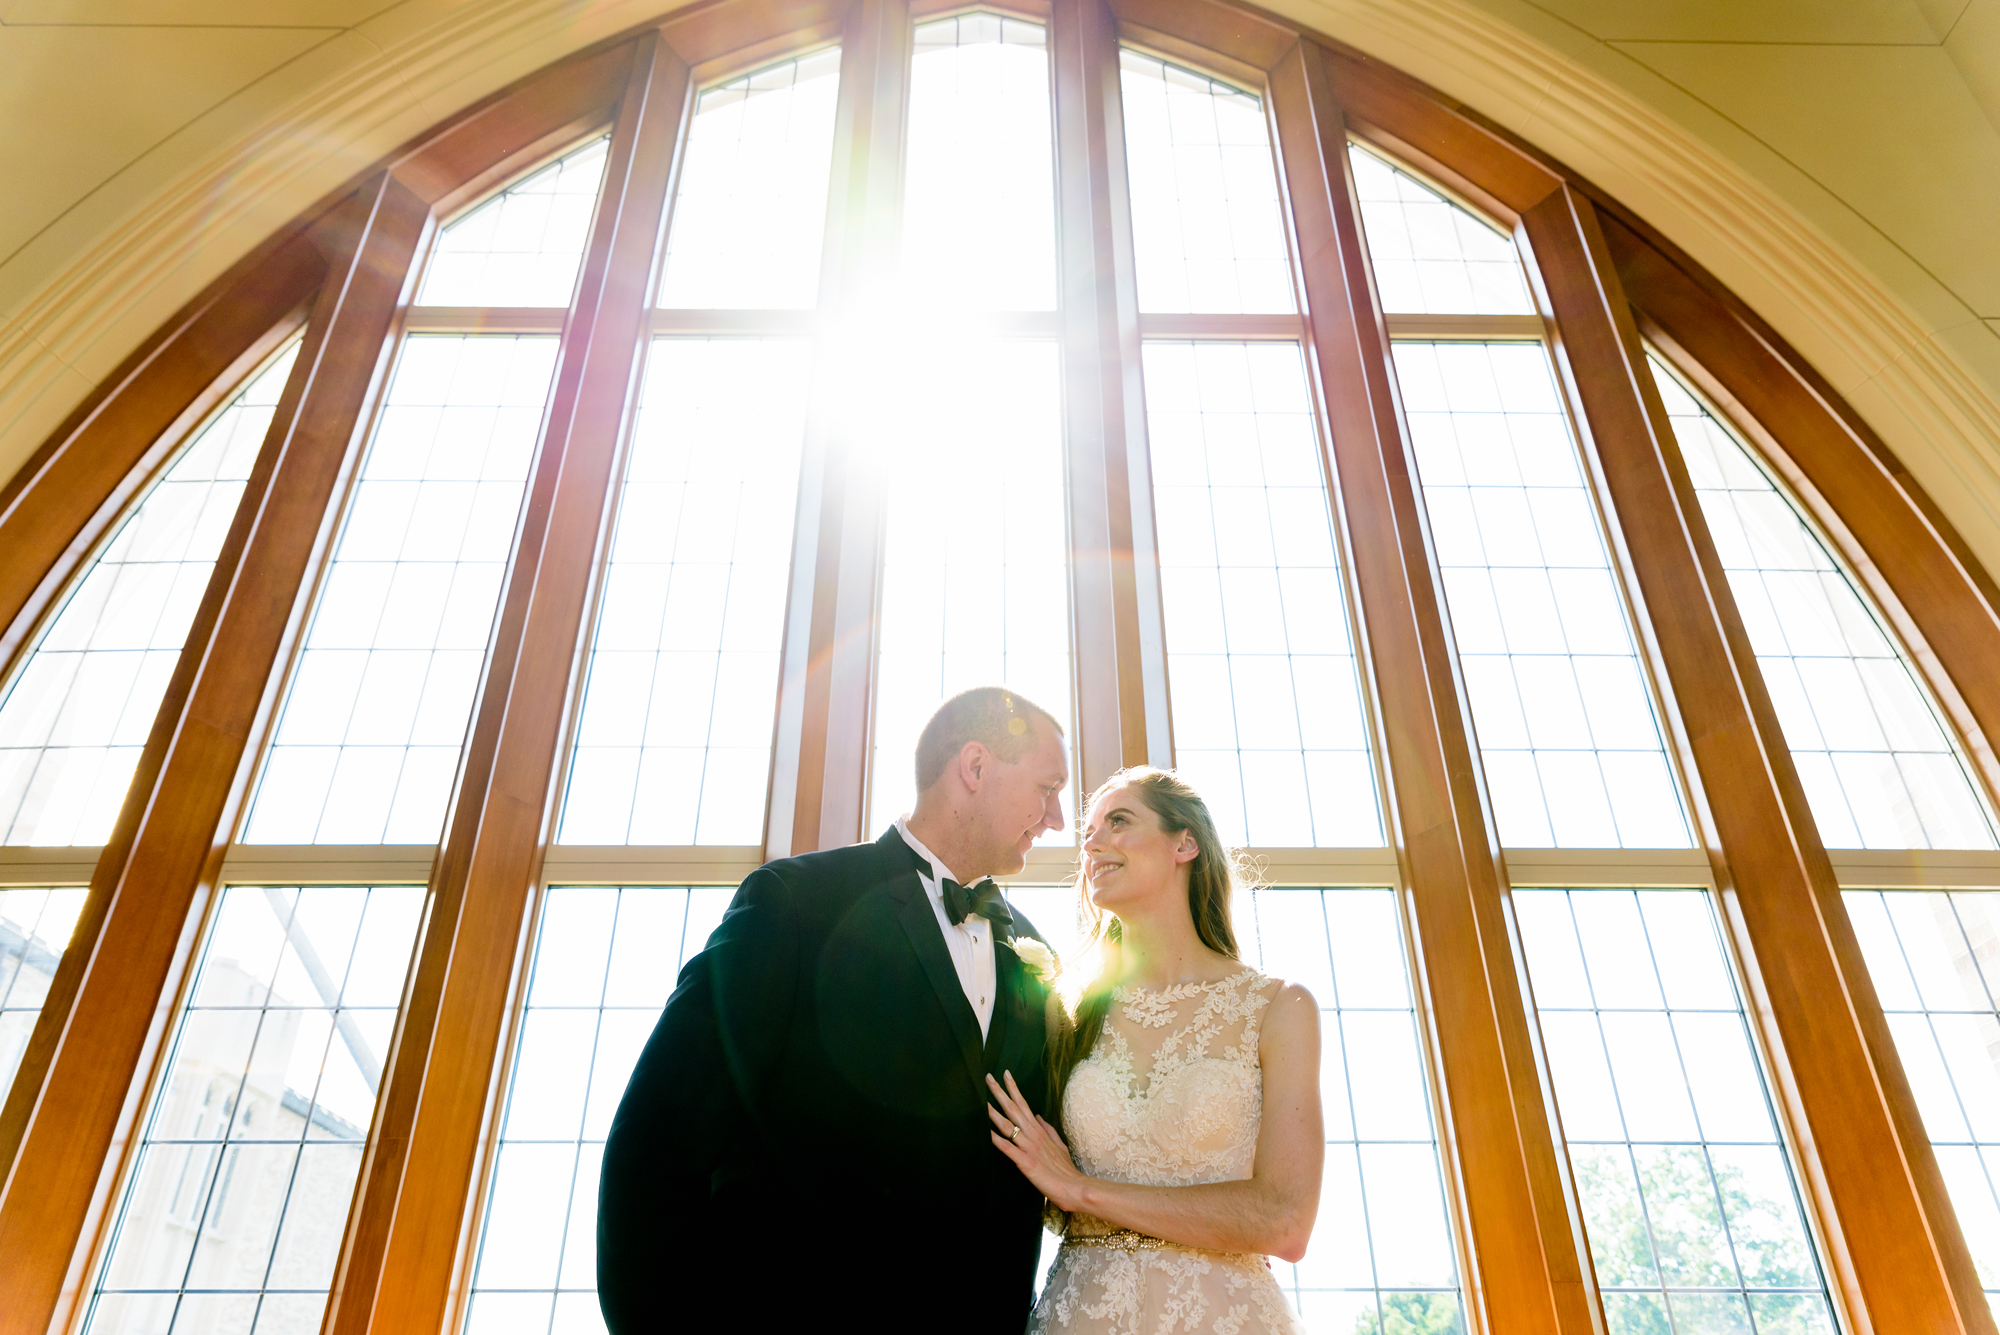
x: 669, y: 436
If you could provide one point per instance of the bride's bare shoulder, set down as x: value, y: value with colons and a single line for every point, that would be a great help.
x: 1291, y: 1015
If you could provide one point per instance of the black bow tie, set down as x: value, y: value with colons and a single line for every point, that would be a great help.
x: 983, y: 899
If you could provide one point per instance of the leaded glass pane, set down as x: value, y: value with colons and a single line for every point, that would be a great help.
x: 523, y: 246
x: 375, y: 714
x: 606, y: 958
x: 1870, y: 749
x: 1382, y: 1248
x: 1566, y: 725
x: 1266, y: 699
x: 1934, y: 957
x: 750, y: 212
x: 75, y: 717
x: 35, y: 924
x: 979, y: 220
x: 1431, y: 256
x: 1687, y: 1191
x: 674, y: 746
x: 234, y: 1212
x: 1207, y: 229
x: 975, y: 583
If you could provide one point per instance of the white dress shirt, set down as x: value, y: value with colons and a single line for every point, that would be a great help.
x: 970, y: 942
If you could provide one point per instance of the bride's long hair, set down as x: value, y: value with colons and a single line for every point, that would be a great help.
x: 1084, y: 986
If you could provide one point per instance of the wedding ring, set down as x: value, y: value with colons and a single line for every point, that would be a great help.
x: 1015, y: 1134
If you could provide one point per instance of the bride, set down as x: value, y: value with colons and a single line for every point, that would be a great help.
x: 1188, y: 1084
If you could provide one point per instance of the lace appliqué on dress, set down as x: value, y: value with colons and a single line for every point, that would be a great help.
x: 1171, y: 1095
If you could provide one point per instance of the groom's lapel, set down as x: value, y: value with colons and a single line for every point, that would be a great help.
x: 919, y: 922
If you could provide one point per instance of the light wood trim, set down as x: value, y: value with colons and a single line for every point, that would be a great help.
x: 825, y: 707
x: 67, y: 500
x: 1529, y: 1268
x: 1288, y: 328
x: 1475, y: 328
x: 485, y: 319
x: 1898, y: 1256
x: 328, y: 864
x: 753, y: 324
x: 1116, y: 631
x: 104, y: 1011
x: 1940, y: 603
x: 48, y: 866
x: 403, y: 1264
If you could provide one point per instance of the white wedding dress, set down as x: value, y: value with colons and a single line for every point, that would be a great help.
x: 1171, y: 1095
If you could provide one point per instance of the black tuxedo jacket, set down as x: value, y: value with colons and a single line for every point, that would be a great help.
x: 805, y: 1137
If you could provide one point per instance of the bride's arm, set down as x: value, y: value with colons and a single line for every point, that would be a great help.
x: 1271, y: 1212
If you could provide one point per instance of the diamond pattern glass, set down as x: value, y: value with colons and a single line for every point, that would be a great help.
x: 1431, y: 256
x: 1934, y: 957
x: 376, y: 713
x: 979, y: 219
x: 975, y: 582
x: 1566, y: 726
x: 1266, y: 700
x: 750, y: 212
x: 35, y: 923
x: 523, y: 246
x: 1688, y: 1197
x: 1206, y: 226
x: 233, y: 1215
x: 598, y: 985
x: 1870, y: 749
x: 76, y: 715
x: 675, y: 741
x: 1381, y: 1261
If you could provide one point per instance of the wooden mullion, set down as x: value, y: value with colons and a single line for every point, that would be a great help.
x: 1529, y: 1268
x: 1117, y: 632
x: 1897, y: 1253
x: 103, y: 1015
x: 819, y: 784
x: 405, y: 1255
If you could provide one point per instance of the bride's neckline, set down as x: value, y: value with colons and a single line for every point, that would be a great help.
x: 1171, y: 989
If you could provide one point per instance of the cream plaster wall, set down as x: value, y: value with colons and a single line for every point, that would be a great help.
x: 1837, y: 162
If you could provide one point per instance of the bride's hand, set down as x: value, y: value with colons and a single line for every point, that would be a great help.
x: 1035, y: 1147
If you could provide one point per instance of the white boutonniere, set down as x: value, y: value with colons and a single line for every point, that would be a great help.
x: 1037, y: 956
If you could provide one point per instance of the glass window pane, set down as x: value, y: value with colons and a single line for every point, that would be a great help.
x: 1431, y: 256
x: 674, y: 746
x: 523, y: 246
x: 253, y: 1139
x: 1947, y: 1030
x: 77, y: 713
x: 1688, y: 1195
x: 750, y: 212
x: 1566, y: 725
x: 1206, y: 226
x: 375, y: 714
x: 970, y: 597
x: 1877, y: 763
x: 978, y: 171
x: 1266, y: 697
x: 605, y: 959
x: 35, y: 925
x: 1383, y: 1238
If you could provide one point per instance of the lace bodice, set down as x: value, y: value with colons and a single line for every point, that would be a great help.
x: 1172, y: 1094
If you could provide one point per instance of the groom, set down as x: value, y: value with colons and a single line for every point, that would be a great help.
x: 804, y: 1142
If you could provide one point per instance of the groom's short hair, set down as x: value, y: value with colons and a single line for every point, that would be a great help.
x: 1002, y: 721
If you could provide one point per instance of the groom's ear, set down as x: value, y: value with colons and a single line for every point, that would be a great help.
x: 973, y: 759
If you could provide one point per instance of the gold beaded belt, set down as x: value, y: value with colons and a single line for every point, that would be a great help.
x: 1121, y: 1239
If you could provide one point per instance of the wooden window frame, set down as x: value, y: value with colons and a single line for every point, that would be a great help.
x: 343, y: 274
